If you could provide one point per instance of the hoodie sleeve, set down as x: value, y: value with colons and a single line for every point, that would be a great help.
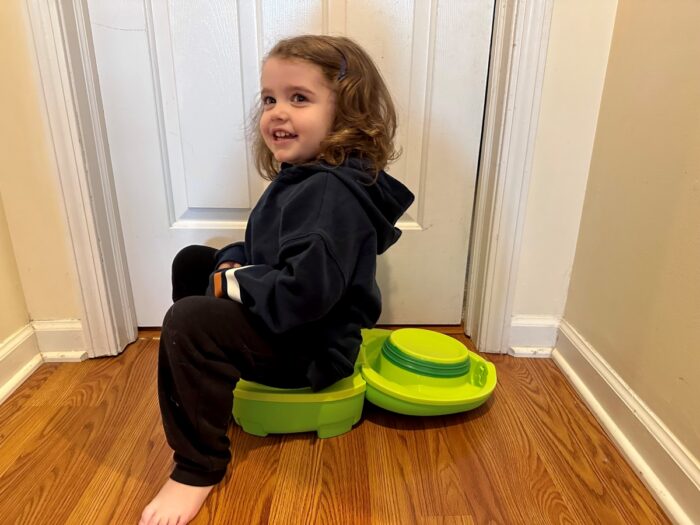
x: 233, y: 252
x: 323, y: 234
x: 303, y: 290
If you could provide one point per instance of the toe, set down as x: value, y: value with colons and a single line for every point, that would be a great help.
x: 147, y: 516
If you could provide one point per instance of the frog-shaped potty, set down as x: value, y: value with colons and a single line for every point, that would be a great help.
x: 409, y: 371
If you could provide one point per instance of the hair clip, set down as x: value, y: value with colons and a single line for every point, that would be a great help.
x: 343, y: 68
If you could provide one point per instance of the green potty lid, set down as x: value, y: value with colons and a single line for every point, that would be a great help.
x: 430, y: 346
x: 426, y: 352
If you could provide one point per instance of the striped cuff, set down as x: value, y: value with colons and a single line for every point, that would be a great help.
x: 226, y: 284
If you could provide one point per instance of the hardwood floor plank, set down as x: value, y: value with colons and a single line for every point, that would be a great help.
x: 33, y: 387
x: 391, y: 468
x: 344, y: 481
x: 484, y: 449
x: 136, y: 464
x: 571, y: 441
x: 246, y: 493
x: 447, y: 520
x: 571, y: 472
x: 297, y: 492
x: 607, y: 462
x: 124, y: 475
x: 524, y: 474
x: 23, y: 414
x: 436, y: 482
x: 53, y: 385
x: 72, y: 444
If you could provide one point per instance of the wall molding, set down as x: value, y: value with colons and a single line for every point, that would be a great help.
x: 533, y: 335
x: 539, y: 352
x: 61, y: 340
x: 516, y: 74
x: 666, y: 467
x: 19, y: 358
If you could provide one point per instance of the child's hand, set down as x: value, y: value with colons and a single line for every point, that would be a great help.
x: 228, y: 264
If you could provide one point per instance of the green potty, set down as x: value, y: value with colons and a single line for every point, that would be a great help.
x: 408, y: 371
x: 261, y: 410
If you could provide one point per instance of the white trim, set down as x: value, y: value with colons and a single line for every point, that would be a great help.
x: 61, y: 340
x: 521, y: 33
x: 533, y: 335
x: 107, y: 311
x: 534, y: 331
x: 530, y: 351
x: 64, y: 357
x: 19, y: 358
x: 666, y: 467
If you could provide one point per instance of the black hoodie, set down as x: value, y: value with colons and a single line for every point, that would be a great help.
x: 310, y: 257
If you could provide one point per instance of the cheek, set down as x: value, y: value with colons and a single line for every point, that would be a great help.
x: 323, y: 123
x: 330, y: 112
x: 262, y: 126
x: 330, y: 118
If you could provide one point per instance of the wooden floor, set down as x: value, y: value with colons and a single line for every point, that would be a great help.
x: 82, y: 443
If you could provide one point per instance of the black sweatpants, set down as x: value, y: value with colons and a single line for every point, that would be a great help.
x: 206, y: 345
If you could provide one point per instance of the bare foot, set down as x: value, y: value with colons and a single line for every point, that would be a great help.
x: 175, y: 504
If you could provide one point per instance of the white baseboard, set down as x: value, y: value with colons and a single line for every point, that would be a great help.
x: 533, y: 335
x: 666, y: 467
x: 61, y: 340
x: 529, y: 351
x: 36, y: 343
x: 19, y: 357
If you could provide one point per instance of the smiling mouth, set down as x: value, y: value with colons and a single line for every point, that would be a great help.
x: 283, y: 135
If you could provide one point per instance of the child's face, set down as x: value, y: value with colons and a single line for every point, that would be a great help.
x: 298, y: 109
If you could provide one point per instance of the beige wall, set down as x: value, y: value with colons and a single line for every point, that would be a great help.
x: 635, y: 287
x: 28, y: 182
x: 13, y: 315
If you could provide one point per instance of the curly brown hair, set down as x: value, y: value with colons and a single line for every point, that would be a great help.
x: 365, y: 119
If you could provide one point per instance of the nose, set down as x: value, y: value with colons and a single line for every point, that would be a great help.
x: 279, y: 112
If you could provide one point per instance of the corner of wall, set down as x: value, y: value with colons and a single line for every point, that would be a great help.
x: 35, y: 343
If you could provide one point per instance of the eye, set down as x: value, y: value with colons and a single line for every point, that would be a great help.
x: 268, y: 100
x: 299, y: 98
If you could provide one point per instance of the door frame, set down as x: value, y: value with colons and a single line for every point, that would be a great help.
x: 516, y: 74
x: 65, y: 60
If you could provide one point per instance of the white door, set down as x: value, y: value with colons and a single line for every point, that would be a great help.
x: 178, y: 80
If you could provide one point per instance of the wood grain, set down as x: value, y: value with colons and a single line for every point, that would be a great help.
x: 83, y: 443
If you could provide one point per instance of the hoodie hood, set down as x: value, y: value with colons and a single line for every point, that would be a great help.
x: 384, y: 201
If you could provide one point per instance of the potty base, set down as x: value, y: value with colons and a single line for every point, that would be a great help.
x: 261, y: 410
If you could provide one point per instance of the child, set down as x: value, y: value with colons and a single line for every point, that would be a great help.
x: 286, y: 307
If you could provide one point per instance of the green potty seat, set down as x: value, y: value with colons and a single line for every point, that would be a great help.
x: 261, y: 410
